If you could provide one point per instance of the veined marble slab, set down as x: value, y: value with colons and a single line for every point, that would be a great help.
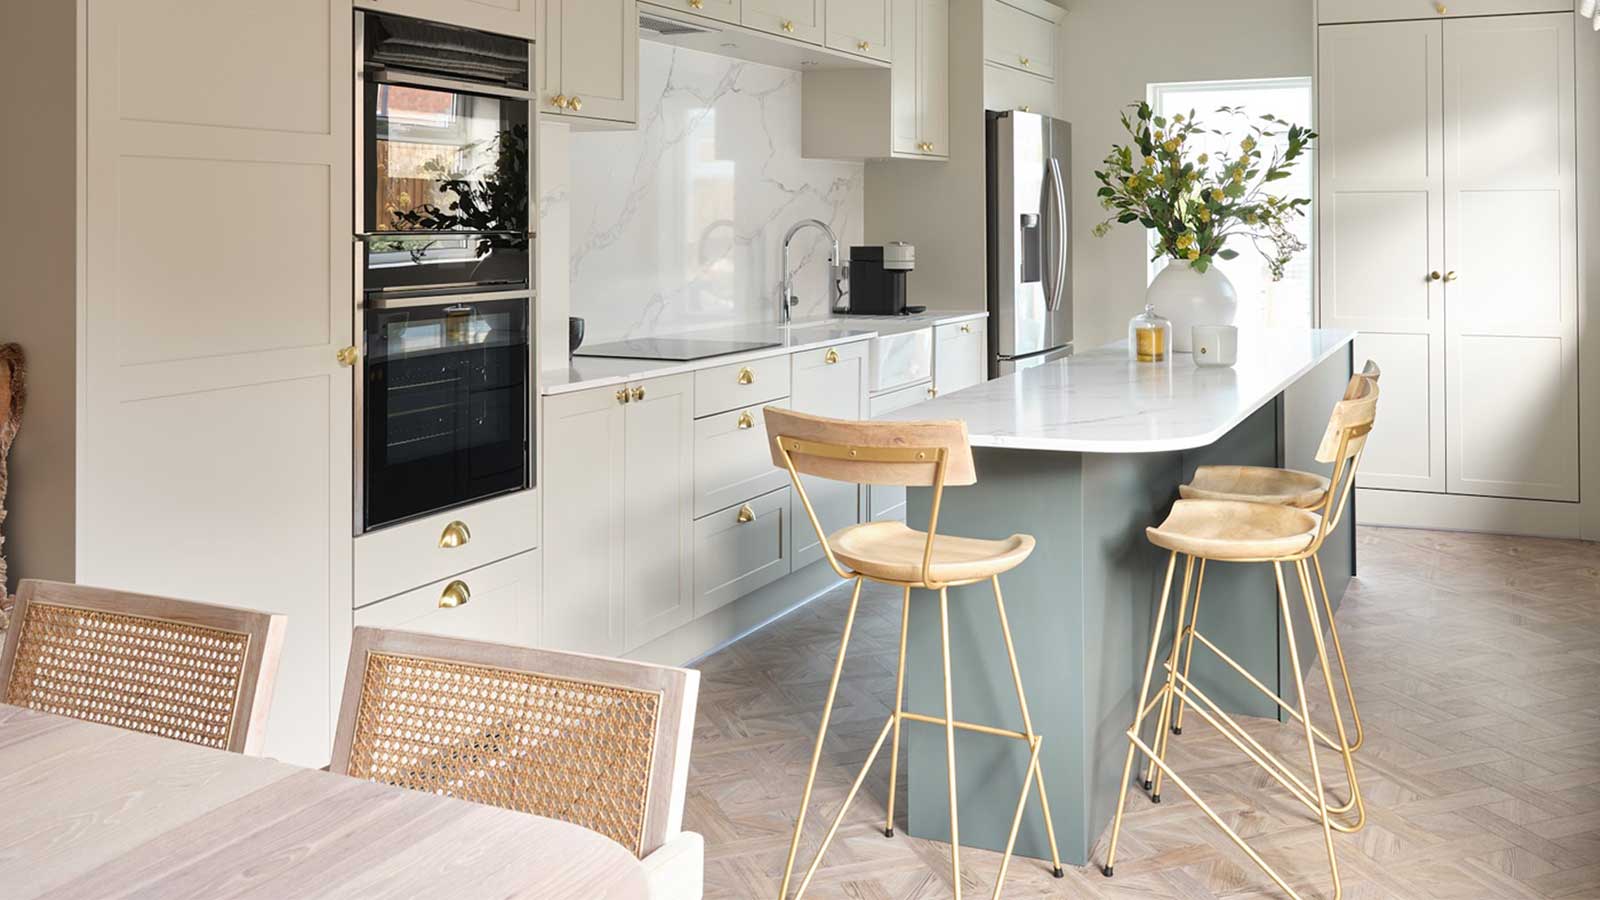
x: 1102, y: 402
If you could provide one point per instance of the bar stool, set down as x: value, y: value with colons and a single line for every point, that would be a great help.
x: 1282, y: 487
x: 1243, y: 532
x: 913, y: 454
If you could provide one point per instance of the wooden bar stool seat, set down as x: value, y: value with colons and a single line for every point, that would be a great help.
x: 1231, y: 530
x: 1256, y: 484
x: 891, y: 551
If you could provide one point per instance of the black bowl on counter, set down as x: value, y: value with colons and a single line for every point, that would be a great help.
x: 574, y: 333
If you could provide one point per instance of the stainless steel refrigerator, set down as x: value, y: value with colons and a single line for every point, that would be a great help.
x: 1030, y: 244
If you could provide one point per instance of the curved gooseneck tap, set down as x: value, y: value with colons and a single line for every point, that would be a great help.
x: 836, y: 270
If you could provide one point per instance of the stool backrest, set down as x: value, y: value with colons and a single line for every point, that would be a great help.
x: 1344, y: 441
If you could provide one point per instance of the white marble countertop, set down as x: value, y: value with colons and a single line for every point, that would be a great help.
x: 584, y: 372
x: 1102, y: 402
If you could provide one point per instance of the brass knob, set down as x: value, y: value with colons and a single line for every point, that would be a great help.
x: 932, y: 393
x: 966, y: 329
x: 1449, y: 277
x: 1026, y: 108
x: 455, y: 535
x: 788, y: 26
x: 746, y: 376
x: 638, y: 393
x: 347, y: 356
x: 746, y: 421
x: 1434, y: 276
x: 1026, y: 62
x: 697, y: 4
x: 863, y: 46
x: 831, y: 357
x: 746, y: 515
x: 575, y: 104
x: 622, y: 396
x: 455, y: 594
x: 1441, y: 8
x: 559, y: 101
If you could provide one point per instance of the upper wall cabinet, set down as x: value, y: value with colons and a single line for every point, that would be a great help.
x: 721, y: 10
x: 798, y: 19
x: 1020, y: 38
x: 1335, y: 11
x: 903, y: 113
x: 591, y: 60
x: 860, y: 26
x: 513, y: 17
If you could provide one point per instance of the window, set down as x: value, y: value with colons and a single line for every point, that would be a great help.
x: 1262, y: 301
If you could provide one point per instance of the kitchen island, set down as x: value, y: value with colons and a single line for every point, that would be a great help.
x: 1083, y: 454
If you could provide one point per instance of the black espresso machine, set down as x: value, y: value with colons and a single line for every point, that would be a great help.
x: 878, y: 280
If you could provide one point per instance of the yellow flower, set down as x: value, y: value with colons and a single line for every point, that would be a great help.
x: 1184, y: 240
x: 1238, y: 176
x: 1178, y: 118
x: 1205, y: 158
x: 1133, y: 181
x: 1149, y: 160
x: 1194, y: 254
x: 1160, y: 179
x: 1249, y: 143
x: 1205, y: 213
x: 1160, y: 137
x: 1171, y: 146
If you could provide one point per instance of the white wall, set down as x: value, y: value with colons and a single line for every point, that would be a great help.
x: 1110, y: 51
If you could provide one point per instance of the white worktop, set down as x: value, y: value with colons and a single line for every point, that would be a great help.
x: 584, y: 372
x: 1102, y: 402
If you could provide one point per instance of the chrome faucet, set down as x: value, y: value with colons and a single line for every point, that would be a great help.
x: 836, y: 270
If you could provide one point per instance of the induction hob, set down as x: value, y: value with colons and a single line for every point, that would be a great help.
x: 672, y: 349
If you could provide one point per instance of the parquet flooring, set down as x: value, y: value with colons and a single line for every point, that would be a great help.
x: 1476, y: 661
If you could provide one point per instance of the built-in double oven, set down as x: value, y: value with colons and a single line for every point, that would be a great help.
x: 443, y: 281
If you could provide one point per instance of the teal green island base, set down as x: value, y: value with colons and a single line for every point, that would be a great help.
x: 1081, y: 611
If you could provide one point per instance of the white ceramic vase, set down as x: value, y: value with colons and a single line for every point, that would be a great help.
x: 1191, y: 298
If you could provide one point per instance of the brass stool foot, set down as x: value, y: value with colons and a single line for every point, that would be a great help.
x: 888, y: 832
x: 1106, y: 871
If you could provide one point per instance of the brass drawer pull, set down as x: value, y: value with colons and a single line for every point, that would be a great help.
x: 456, y: 593
x: 697, y: 4
x: 746, y: 515
x: 932, y: 393
x: 746, y: 421
x: 622, y: 396
x: 966, y: 329
x: 456, y: 534
x: 575, y: 104
x: 831, y: 357
x: 347, y: 357
x: 638, y: 393
x: 559, y: 101
x: 1449, y: 277
x: 1026, y: 62
x: 1434, y: 275
x: 788, y: 26
x: 746, y: 376
x: 864, y: 46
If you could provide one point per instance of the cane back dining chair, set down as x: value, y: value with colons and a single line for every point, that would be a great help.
x: 192, y: 672
x: 1245, y: 532
x: 912, y: 454
x: 598, y: 742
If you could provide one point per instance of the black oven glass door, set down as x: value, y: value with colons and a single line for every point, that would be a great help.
x: 445, y: 407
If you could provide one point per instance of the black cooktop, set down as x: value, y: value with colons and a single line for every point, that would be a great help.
x: 672, y: 349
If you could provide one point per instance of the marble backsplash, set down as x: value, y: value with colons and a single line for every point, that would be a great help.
x: 679, y: 225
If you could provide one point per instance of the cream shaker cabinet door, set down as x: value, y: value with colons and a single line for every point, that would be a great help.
x: 591, y: 58
x: 721, y: 10
x: 1381, y: 224
x: 583, y: 510
x: 832, y: 383
x: 740, y: 549
x: 905, y: 78
x: 1019, y: 39
x: 798, y: 19
x: 1005, y: 88
x: 960, y: 356
x: 861, y: 27
x: 498, y: 602
x: 658, y: 508
x: 1510, y: 286
x: 513, y: 17
x: 933, y: 77
x: 215, y: 421
x: 1334, y: 11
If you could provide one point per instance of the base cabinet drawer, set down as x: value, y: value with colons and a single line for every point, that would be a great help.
x: 732, y: 459
x: 400, y: 557
x: 498, y: 602
x: 739, y: 550
x: 960, y: 356
x: 740, y: 385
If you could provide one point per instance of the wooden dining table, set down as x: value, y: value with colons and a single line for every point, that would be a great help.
x: 87, y: 810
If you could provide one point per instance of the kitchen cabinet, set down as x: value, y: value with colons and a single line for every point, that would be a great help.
x: 903, y: 113
x: 732, y: 459
x: 721, y: 10
x: 497, y: 602
x: 830, y: 382
x: 740, y: 549
x: 861, y: 27
x: 1019, y: 38
x: 514, y: 17
x: 1006, y: 88
x: 1448, y: 237
x: 400, y: 557
x: 960, y: 356
x: 591, y: 61
x: 1336, y: 11
x: 797, y: 19
x: 620, y: 470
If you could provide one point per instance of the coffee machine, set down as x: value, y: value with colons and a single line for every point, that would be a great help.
x: 878, y: 280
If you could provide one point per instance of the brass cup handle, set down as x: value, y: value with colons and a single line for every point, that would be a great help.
x: 697, y: 4
x: 622, y: 396
x: 347, y: 356
x: 575, y: 104
x: 746, y: 421
x: 864, y: 45
x: 831, y: 357
x: 638, y: 393
x: 746, y: 515
x: 1449, y: 277
x: 1434, y: 275
x: 788, y: 26
x: 455, y: 594
x: 1441, y: 8
x: 746, y: 376
x: 456, y: 534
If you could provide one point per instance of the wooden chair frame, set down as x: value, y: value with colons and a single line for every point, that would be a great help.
x: 263, y: 633
x: 674, y: 727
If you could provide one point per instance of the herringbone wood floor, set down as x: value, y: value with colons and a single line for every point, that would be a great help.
x: 1476, y: 660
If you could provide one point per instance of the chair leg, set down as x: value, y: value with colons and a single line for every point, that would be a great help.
x: 950, y: 742
x: 822, y: 730
x: 1138, y: 714
x: 1164, y: 722
x: 1034, y: 741
x: 1305, y: 718
x: 1188, y: 650
x: 1346, y: 751
x: 1338, y: 649
x: 899, y: 705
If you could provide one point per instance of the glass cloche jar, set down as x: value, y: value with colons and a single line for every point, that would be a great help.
x: 1149, y: 336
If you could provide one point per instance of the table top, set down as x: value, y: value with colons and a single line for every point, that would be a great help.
x: 1102, y: 402
x: 94, y: 811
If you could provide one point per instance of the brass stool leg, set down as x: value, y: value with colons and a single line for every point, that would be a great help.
x: 1188, y: 650
x: 1345, y: 750
x: 950, y: 741
x: 1035, y: 741
x: 1305, y: 717
x: 899, y: 705
x: 1138, y: 714
x: 1338, y: 649
x: 816, y: 752
x: 1163, y: 722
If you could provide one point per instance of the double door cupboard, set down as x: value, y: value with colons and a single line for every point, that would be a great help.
x: 1448, y: 238
x: 591, y: 61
